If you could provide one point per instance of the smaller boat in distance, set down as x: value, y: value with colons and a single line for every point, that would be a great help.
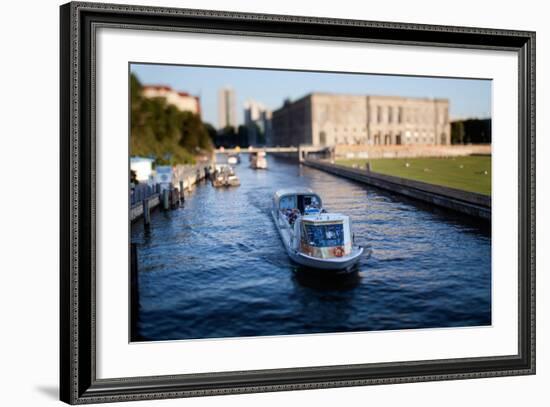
x: 224, y: 176
x: 258, y: 160
x: 311, y: 236
x: 234, y: 159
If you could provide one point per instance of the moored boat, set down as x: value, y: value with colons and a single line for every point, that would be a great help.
x: 313, y: 237
x: 258, y: 160
x: 224, y: 176
x: 234, y: 159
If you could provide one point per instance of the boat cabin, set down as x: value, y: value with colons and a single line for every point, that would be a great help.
x: 303, y: 201
x: 325, y: 235
x: 318, y: 234
x: 313, y: 237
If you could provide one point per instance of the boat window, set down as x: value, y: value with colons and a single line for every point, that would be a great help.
x: 311, y: 204
x: 287, y: 202
x: 324, y: 235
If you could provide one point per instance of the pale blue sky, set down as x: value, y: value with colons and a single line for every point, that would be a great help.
x: 468, y: 97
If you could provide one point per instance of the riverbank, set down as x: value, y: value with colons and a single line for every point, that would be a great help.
x: 469, y: 203
x: 145, y: 198
x: 471, y: 173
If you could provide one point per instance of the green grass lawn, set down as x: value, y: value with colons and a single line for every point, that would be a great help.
x: 471, y: 173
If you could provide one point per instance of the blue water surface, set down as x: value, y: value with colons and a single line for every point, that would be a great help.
x: 217, y: 268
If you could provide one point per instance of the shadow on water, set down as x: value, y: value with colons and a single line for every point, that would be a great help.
x: 327, y: 280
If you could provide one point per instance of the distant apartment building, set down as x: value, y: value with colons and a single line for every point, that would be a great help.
x: 182, y: 100
x: 257, y: 119
x: 328, y: 119
x: 227, y: 108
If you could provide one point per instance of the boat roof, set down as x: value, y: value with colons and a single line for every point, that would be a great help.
x: 293, y: 191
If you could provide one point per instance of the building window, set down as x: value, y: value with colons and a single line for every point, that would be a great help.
x: 322, y: 138
x: 400, y: 115
x: 390, y: 114
x: 379, y: 114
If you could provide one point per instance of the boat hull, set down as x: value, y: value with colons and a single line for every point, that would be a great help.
x: 337, y: 263
x: 334, y: 263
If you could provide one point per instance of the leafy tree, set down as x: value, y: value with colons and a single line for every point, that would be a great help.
x: 242, y: 136
x: 227, y: 137
x: 471, y: 131
x: 457, y: 132
x: 212, y: 132
x: 162, y: 131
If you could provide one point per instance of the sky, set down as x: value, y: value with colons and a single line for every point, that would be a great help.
x: 468, y: 98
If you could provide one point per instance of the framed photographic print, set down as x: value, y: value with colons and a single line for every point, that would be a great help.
x: 255, y: 203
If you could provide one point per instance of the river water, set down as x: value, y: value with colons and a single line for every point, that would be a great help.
x: 217, y: 268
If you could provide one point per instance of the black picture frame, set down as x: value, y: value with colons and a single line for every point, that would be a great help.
x: 78, y: 382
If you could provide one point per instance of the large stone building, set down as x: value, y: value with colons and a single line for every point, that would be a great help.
x: 323, y: 119
x: 182, y: 100
x: 227, y: 108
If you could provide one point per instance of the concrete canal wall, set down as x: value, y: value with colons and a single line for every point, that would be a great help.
x: 469, y: 203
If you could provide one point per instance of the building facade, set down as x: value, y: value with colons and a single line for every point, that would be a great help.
x: 257, y: 119
x: 227, y: 108
x: 182, y: 100
x: 323, y: 119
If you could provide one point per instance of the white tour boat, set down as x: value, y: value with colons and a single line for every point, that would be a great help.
x: 312, y: 237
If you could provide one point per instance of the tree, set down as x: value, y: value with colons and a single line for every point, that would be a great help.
x: 227, y: 137
x: 457, y: 132
x: 194, y: 135
x: 242, y: 136
x: 471, y: 131
x: 162, y: 131
x: 211, y: 132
